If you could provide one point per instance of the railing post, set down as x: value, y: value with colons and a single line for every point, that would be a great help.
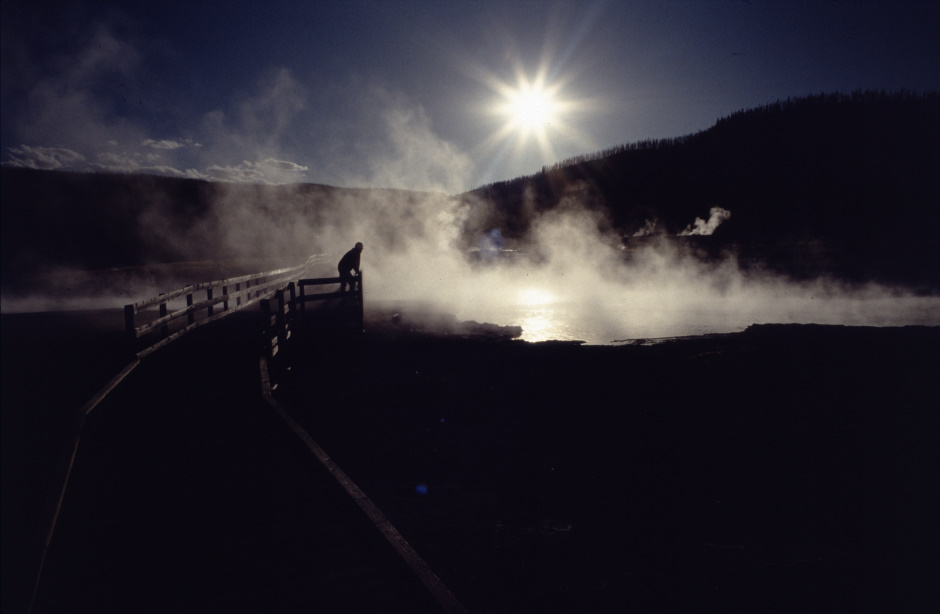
x: 190, y: 317
x: 361, y: 304
x: 209, y: 298
x: 225, y: 302
x: 292, y: 302
x: 270, y: 339
x: 238, y: 297
x: 129, y: 321
x: 279, y: 299
x: 165, y: 329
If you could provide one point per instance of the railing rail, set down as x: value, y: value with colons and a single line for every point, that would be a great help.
x: 284, y: 307
x: 243, y: 291
x: 354, y: 293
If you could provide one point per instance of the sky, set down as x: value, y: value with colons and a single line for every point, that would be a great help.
x: 422, y: 95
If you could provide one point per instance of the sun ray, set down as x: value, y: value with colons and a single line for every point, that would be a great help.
x: 532, y: 114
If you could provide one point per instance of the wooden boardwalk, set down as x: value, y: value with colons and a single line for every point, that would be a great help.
x: 189, y: 493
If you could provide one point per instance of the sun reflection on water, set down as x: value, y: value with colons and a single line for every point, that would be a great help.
x: 544, y: 319
x: 539, y: 325
x: 555, y: 322
x: 541, y: 317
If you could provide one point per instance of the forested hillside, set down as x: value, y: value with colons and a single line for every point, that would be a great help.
x: 829, y: 166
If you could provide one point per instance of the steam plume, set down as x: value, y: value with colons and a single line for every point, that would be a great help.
x: 717, y: 215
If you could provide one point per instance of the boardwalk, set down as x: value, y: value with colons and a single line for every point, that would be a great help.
x: 190, y: 494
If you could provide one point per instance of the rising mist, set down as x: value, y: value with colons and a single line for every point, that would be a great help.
x: 606, y: 248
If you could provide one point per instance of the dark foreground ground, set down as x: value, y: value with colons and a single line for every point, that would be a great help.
x: 786, y: 468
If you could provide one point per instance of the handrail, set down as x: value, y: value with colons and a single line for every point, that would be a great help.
x: 355, y: 292
x: 262, y: 290
x: 284, y: 307
x: 243, y: 290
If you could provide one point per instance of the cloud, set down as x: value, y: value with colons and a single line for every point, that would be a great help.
x: 49, y: 158
x: 60, y: 158
x: 284, y: 165
x: 118, y: 162
x: 84, y: 101
x: 75, y: 116
x: 162, y: 144
x: 109, y: 162
x: 269, y: 171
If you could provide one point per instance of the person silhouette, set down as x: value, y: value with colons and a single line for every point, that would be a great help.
x: 349, y: 262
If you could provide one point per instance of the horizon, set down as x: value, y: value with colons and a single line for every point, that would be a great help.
x: 427, y: 97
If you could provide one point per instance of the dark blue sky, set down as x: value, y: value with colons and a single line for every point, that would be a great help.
x: 408, y: 94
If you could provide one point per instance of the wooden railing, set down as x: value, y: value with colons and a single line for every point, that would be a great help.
x: 162, y: 325
x: 285, y: 307
x: 354, y: 294
x: 233, y: 294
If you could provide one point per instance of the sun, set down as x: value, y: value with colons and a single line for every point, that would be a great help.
x: 532, y: 117
x: 540, y: 103
x: 530, y: 108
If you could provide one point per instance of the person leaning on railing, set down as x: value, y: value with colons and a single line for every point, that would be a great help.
x: 348, y: 263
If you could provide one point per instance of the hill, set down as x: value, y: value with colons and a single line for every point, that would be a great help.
x: 854, y: 174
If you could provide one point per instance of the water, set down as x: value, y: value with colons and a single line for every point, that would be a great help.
x: 608, y: 325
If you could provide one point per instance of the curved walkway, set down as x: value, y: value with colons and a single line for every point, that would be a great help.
x: 189, y: 493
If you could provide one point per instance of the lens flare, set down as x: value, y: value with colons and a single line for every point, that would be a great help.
x: 532, y: 112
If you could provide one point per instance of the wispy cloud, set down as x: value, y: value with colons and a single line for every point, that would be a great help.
x: 265, y: 171
x: 109, y: 162
x: 51, y: 158
x: 82, y: 116
x: 76, y: 121
x: 162, y: 144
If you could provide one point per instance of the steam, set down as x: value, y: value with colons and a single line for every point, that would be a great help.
x: 570, y: 278
x: 648, y: 229
x: 271, y: 134
x: 700, y: 227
